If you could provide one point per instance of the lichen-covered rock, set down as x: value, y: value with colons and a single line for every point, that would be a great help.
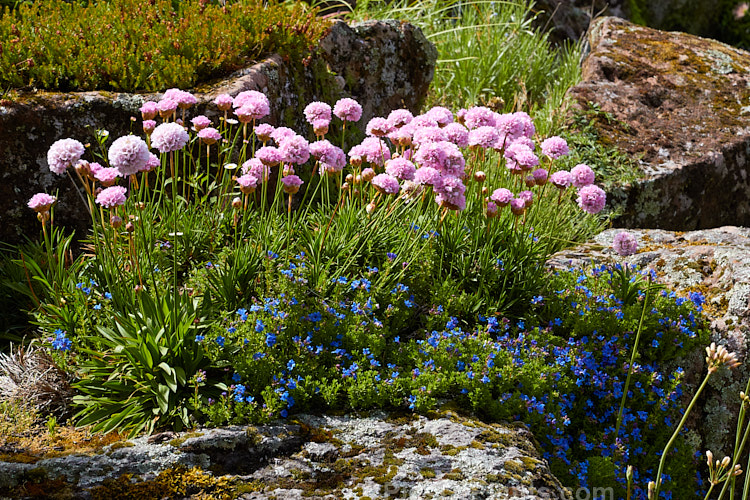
x: 716, y: 263
x: 384, y: 65
x: 682, y: 106
x: 328, y: 457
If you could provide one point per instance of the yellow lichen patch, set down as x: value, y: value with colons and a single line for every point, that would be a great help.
x: 37, y: 442
x: 176, y: 482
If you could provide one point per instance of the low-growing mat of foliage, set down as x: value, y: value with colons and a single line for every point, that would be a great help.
x: 126, y: 45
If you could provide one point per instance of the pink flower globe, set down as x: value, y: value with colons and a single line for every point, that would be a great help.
x: 63, y: 154
x: 169, y: 137
x: 42, y: 202
x: 591, y: 199
x: 129, y: 154
x: 111, y: 197
x: 625, y: 244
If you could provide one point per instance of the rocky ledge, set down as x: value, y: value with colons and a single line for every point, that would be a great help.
x: 325, y: 457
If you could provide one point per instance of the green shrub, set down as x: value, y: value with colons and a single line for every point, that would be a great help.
x: 127, y: 45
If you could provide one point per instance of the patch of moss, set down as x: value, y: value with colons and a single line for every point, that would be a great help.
x: 454, y: 475
x: 174, y: 482
x: 427, y: 473
x: 177, y: 442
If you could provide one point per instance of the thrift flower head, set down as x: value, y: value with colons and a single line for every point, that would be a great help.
x: 257, y: 169
x: 107, y: 176
x: 166, y: 107
x: 200, y: 122
x: 450, y: 192
x: 224, y: 102
x: 517, y: 206
x: 185, y: 99
x: 527, y: 197
x: 209, y: 135
x: 41, y: 202
x: 152, y: 163
x: 400, y: 168
x: 64, y: 153
x: 457, y: 134
x: 491, y: 209
x: 441, y: 115
x: 149, y: 110
x: 282, y: 133
x: 479, y: 116
x: 332, y: 158
x: 424, y: 135
x: 423, y: 121
x: 378, y: 127
x: 169, y: 137
x: 591, y: 199
x: 148, y: 126
x: 269, y: 155
x: 561, y: 179
x: 426, y: 176
x: 432, y: 154
x: 555, y: 147
x: 582, y: 175
x: 540, y: 176
x: 295, y: 150
x: 129, y: 154
x: 368, y: 174
x: 386, y: 184
x: 291, y: 183
x: 348, y: 110
x: 111, y: 197
x: 264, y: 131
x: 256, y: 101
x: 524, y: 123
x: 317, y: 111
x: 247, y: 183
x: 484, y: 137
x: 372, y: 150
x: 401, y: 136
x: 399, y: 117
x: 320, y: 127
x: 625, y: 244
x: 501, y: 196
x: 454, y: 160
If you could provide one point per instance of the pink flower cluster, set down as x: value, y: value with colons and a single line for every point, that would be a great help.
x: 111, y: 197
x: 129, y: 154
x: 169, y: 137
x: 42, y: 202
x: 625, y: 244
x: 63, y: 154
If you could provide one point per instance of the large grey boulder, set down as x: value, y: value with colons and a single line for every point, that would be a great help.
x: 681, y: 105
x: 326, y: 457
x: 383, y: 64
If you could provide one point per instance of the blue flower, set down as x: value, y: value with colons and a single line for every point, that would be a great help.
x: 270, y: 339
x: 236, y: 377
x: 61, y: 342
x: 220, y: 340
x: 259, y: 326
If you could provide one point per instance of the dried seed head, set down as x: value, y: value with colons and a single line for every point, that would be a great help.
x: 718, y: 356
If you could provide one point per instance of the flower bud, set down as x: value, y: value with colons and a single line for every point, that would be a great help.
x: 370, y: 208
x: 709, y: 458
x: 485, y: 190
x: 129, y: 227
x: 349, y: 178
x: 237, y: 203
x: 345, y: 186
x: 480, y: 176
x: 115, y: 221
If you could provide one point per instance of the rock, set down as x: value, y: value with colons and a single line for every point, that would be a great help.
x: 331, y: 457
x: 566, y: 20
x: 680, y: 104
x: 385, y: 65
x: 715, y: 263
